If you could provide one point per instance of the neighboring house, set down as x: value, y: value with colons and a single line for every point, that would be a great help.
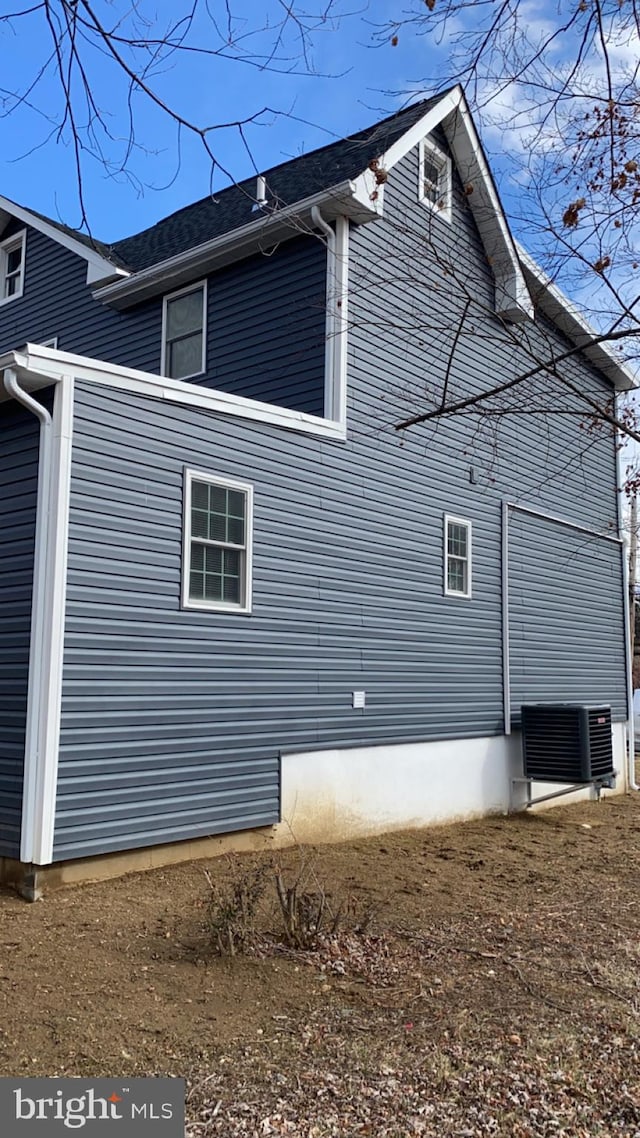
x: 231, y: 594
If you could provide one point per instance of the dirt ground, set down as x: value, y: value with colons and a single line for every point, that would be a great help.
x: 496, y: 991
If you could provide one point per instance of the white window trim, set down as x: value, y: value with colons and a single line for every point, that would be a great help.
x: 6, y: 246
x: 452, y: 518
x: 52, y: 342
x: 191, y: 474
x: 173, y: 296
x: 443, y: 161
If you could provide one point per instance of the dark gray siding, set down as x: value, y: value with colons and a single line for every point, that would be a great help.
x: 173, y: 721
x: 19, y: 443
x: 266, y: 326
x: 566, y: 625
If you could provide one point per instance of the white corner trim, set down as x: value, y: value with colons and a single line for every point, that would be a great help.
x: 47, y: 627
x: 567, y: 317
x: 338, y: 409
x: 336, y: 318
x: 46, y: 364
x: 174, y: 296
x: 98, y: 268
x: 246, y: 488
x: 447, y: 592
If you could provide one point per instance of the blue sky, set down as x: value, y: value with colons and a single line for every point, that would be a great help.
x: 355, y: 84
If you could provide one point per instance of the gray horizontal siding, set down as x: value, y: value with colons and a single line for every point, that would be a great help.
x: 345, y: 596
x: 266, y: 321
x: 566, y: 624
x: 19, y: 444
x: 173, y: 721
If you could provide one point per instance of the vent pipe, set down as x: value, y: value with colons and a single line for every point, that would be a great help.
x: 261, y: 192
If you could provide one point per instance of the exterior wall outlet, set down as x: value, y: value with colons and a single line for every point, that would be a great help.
x: 359, y: 698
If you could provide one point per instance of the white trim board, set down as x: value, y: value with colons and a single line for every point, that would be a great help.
x: 47, y: 632
x: 38, y: 367
x: 564, y: 314
x: 98, y: 268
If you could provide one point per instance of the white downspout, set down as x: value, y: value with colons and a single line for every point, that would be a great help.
x: 33, y: 739
x: 631, y: 757
x: 331, y: 338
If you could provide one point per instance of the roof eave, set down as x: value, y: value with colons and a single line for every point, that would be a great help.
x: 98, y: 267
x: 267, y: 229
x: 557, y: 307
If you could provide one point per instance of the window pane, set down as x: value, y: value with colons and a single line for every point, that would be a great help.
x: 232, y: 576
x: 184, y: 314
x: 197, y: 557
x: 218, y: 499
x: 199, y: 523
x: 200, y: 495
x: 236, y: 504
x: 457, y: 540
x: 11, y: 286
x: 185, y: 356
x: 213, y: 587
x: 213, y: 560
x: 457, y: 575
x: 218, y: 527
x: 14, y: 260
x: 235, y: 531
x: 196, y: 585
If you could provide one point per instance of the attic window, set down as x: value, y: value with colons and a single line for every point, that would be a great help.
x: 435, y: 179
x: 12, y: 267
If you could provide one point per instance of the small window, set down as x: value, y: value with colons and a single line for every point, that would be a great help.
x: 52, y: 342
x: 217, y: 543
x: 435, y: 179
x: 184, y: 333
x: 457, y: 557
x: 12, y: 267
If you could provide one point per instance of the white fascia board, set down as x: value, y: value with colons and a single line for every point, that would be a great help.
x: 263, y: 231
x: 567, y: 317
x: 98, y: 268
x: 452, y: 113
x: 38, y: 366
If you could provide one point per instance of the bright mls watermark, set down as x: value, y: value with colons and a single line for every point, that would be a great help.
x: 131, y: 1108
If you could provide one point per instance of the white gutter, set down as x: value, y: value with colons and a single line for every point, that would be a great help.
x: 37, y: 653
x: 228, y: 247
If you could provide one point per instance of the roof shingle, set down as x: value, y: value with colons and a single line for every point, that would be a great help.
x: 287, y: 183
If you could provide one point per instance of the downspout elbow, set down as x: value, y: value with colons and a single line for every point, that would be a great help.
x: 319, y: 220
x: 14, y: 391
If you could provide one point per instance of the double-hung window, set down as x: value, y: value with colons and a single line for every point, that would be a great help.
x: 435, y: 178
x: 457, y: 557
x: 217, y: 543
x: 12, y: 253
x: 184, y: 332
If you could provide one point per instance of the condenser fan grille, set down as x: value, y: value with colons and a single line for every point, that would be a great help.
x: 568, y: 743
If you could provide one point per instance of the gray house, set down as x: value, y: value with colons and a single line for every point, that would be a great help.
x: 235, y: 598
